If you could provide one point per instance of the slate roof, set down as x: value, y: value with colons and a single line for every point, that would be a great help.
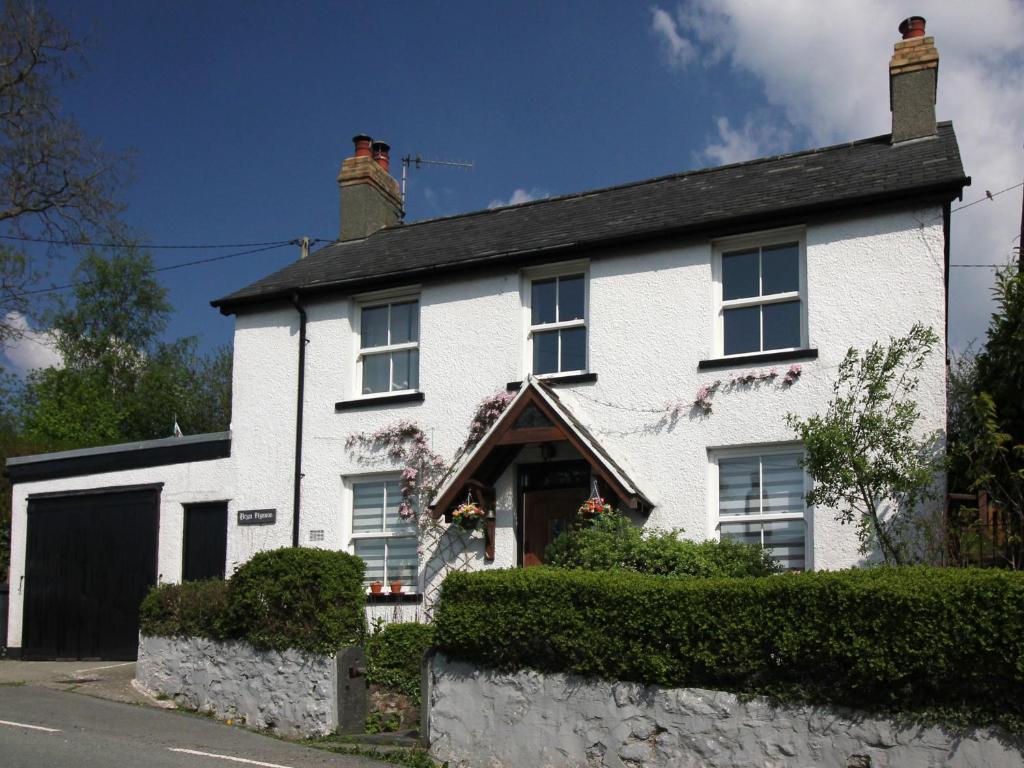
x: 766, y: 190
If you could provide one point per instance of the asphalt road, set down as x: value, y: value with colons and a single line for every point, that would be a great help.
x: 45, y: 728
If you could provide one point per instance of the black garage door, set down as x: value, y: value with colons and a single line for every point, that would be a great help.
x: 90, y: 559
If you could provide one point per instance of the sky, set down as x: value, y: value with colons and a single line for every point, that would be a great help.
x: 238, y: 114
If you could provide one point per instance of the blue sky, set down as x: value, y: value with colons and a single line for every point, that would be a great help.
x: 239, y: 114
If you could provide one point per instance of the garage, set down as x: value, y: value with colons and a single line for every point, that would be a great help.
x: 90, y: 559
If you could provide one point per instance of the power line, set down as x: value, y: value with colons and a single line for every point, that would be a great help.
x: 988, y: 196
x: 170, y: 267
x: 197, y: 247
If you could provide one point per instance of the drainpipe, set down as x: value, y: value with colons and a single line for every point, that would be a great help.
x: 297, y: 497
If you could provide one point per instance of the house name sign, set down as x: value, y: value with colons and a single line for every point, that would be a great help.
x: 257, y: 516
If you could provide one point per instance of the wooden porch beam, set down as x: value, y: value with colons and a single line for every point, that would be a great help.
x: 532, y: 435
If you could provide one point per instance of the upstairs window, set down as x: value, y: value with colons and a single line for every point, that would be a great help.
x: 389, y: 347
x: 380, y: 536
x: 762, y: 306
x: 558, y: 324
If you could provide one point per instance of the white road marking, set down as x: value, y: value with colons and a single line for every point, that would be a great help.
x: 227, y: 757
x: 30, y: 727
x: 97, y: 669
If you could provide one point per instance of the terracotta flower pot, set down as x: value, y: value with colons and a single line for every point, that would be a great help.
x: 396, y: 587
x: 375, y: 587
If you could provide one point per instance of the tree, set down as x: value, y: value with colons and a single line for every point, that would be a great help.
x: 862, y: 453
x: 987, y: 411
x: 1001, y: 363
x: 961, y: 389
x: 119, y: 382
x: 55, y: 183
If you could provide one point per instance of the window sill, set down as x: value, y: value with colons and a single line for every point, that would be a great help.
x: 758, y: 358
x: 386, y: 598
x: 378, y: 400
x: 557, y: 381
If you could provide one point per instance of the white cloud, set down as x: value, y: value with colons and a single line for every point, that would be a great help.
x: 755, y: 139
x: 520, y: 196
x: 678, y: 50
x: 29, y: 349
x: 823, y: 65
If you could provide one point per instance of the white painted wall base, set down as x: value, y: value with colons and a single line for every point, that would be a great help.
x: 290, y: 692
x: 479, y: 717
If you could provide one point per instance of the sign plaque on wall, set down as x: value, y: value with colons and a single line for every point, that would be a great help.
x: 257, y: 516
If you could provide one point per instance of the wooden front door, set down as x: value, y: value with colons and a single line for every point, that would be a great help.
x: 547, y: 513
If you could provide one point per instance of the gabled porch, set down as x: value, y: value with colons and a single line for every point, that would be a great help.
x: 558, y: 464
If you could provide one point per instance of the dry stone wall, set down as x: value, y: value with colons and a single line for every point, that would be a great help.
x: 479, y: 717
x: 289, y: 692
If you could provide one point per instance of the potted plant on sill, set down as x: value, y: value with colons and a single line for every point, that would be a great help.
x: 376, y: 587
x: 468, y: 515
x: 396, y: 587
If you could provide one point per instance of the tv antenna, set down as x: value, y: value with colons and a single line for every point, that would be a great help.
x: 419, y: 162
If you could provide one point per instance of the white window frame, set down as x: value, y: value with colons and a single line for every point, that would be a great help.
x: 380, y: 299
x: 547, y: 272
x: 758, y: 240
x: 751, y: 451
x: 351, y: 536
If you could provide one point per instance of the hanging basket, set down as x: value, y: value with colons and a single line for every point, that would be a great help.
x: 595, y: 506
x: 468, y: 516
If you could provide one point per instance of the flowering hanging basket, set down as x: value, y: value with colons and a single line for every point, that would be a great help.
x: 594, y: 507
x: 468, y: 515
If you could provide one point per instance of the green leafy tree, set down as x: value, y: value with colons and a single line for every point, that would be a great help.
x: 862, y: 453
x: 55, y: 182
x: 987, y: 412
x: 119, y: 382
x: 1001, y: 363
x: 961, y: 389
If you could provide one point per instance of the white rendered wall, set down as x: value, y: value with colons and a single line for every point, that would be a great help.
x: 183, y: 484
x: 650, y: 320
x: 264, y: 382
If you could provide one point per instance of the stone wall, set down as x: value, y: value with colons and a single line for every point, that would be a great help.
x: 478, y: 717
x: 291, y: 693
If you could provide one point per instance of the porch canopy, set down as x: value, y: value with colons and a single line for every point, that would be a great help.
x: 536, y: 415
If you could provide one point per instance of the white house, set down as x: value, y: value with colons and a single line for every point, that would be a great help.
x: 606, y: 312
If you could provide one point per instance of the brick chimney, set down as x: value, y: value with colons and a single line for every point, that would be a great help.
x: 370, y: 198
x: 913, y: 78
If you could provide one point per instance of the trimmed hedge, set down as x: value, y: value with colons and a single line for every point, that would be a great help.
x: 309, y: 599
x: 613, y: 542
x: 304, y: 598
x: 394, y: 655
x: 909, y: 640
x: 190, y: 609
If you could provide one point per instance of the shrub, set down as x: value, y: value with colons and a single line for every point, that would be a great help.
x: 309, y: 599
x: 394, y: 655
x: 613, y: 542
x: 910, y: 639
x: 190, y: 609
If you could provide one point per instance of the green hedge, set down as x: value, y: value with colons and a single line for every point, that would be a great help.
x: 309, y: 599
x: 910, y: 640
x: 394, y: 655
x: 191, y: 609
x: 613, y: 542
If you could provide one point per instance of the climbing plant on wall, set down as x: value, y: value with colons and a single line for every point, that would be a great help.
x: 443, y: 547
